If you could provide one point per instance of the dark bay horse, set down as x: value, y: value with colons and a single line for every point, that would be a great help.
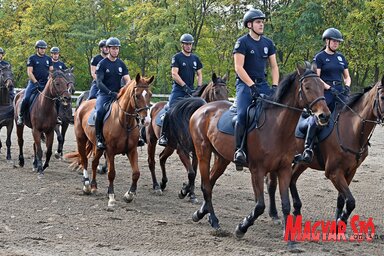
x: 43, y: 117
x: 271, y: 146
x: 215, y: 90
x: 65, y: 115
x: 341, y: 153
x: 120, y: 131
x: 6, y: 105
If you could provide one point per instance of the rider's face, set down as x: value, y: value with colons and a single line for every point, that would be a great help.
x: 104, y: 50
x: 55, y: 56
x: 41, y: 51
x: 1, y: 56
x: 114, y: 51
x: 258, y: 26
x: 333, y: 44
x: 187, y: 47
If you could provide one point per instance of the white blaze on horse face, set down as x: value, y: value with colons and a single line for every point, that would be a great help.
x: 144, y: 93
x: 147, y: 121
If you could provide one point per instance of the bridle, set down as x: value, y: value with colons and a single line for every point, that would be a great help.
x: 59, y: 94
x: 307, y: 74
x: 3, y: 78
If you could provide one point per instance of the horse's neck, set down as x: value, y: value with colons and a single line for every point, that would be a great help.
x: 4, y: 97
x: 125, y: 110
x: 46, y: 98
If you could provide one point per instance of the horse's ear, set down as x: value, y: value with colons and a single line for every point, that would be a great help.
x: 225, y: 77
x: 214, y: 77
x: 71, y: 69
x: 300, y: 69
x: 314, y: 66
x: 151, y: 79
x: 138, y: 77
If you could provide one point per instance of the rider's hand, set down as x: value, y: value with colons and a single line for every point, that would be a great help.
x: 113, y: 94
x: 347, y: 90
x: 187, y: 89
x: 334, y: 91
x: 254, y: 91
x: 37, y: 84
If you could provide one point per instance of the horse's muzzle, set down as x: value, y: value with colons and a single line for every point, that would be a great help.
x: 65, y: 100
x: 323, y: 119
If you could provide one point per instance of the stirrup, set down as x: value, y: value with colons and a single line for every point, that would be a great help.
x: 20, y: 120
x: 305, y: 157
x: 240, y: 159
x: 58, y: 121
x: 100, y: 145
x: 141, y: 142
x: 163, y: 141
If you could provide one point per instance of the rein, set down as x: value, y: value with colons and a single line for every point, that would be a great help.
x: 379, y: 121
x: 58, y: 94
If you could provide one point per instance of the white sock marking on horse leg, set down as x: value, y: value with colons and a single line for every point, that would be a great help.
x: 85, y: 174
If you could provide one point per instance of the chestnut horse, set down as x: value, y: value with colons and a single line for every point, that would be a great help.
x: 342, y: 152
x: 270, y: 147
x: 215, y: 90
x: 120, y: 131
x: 6, y: 105
x: 43, y: 116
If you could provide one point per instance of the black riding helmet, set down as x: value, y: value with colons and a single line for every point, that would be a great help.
x: 41, y: 44
x: 113, y: 41
x: 2, y: 50
x: 186, y: 39
x: 252, y: 15
x: 55, y: 49
x: 332, y: 33
x: 102, y: 43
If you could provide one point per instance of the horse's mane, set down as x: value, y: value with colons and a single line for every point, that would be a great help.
x: 179, y: 116
x: 200, y: 90
x: 284, y: 87
x: 354, y: 98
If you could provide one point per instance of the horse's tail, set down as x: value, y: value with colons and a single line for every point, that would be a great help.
x: 179, y: 116
x: 74, y: 157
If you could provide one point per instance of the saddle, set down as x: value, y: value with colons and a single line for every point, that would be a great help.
x: 160, y: 116
x: 227, y: 120
x: 92, y: 117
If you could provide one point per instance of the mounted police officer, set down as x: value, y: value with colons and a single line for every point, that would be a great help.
x: 251, y: 54
x: 55, y: 55
x: 5, y: 63
x: 184, y: 66
x: 109, y: 73
x: 94, y: 61
x: 38, y: 67
x: 332, y: 67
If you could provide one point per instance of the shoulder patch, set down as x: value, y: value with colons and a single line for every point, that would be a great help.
x: 237, y: 45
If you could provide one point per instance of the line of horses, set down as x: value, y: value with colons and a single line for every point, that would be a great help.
x: 195, y: 136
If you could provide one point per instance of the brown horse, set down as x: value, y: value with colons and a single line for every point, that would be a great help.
x: 270, y: 146
x: 43, y: 117
x: 215, y: 90
x: 341, y: 153
x: 6, y: 105
x: 120, y: 131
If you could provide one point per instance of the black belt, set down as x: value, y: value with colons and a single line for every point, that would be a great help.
x: 334, y: 83
x: 259, y: 80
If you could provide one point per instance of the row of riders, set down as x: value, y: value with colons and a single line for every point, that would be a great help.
x: 252, y: 52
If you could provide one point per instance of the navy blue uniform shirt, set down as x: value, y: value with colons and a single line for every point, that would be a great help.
x: 188, y: 66
x: 95, y: 60
x: 3, y: 63
x: 256, y: 55
x: 59, y: 65
x: 113, y: 72
x: 40, y: 66
x: 332, y: 66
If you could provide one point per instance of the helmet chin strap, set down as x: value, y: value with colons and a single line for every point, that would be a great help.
x: 329, y: 46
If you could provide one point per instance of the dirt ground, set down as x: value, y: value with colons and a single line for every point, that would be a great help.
x: 51, y: 216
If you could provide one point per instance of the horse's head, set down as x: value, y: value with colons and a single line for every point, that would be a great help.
x: 61, y: 84
x: 6, y: 76
x: 140, y: 97
x: 311, y: 93
x: 71, y: 80
x: 379, y: 101
x: 216, y: 89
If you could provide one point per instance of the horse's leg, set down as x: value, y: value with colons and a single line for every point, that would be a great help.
x: 111, y: 179
x: 81, y: 148
x: 271, y: 182
x: 189, y: 188
x: 103, y: 168
x: 95, y: 162
x: 49, y: 144
x: 38, y: 151
x: 297, y: 170
x: 20, y: 142
x: 133, y: 159
x: 60, y: 141
x: 151, y: 150
x: 167, y: 152
x: 340, y: 205
x: 257, y: 177
x: 8, y: 141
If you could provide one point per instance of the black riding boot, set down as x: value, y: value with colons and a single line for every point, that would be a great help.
x: 99, y: 134
x: 163, y: 140
x: 240, y: 158
x: 308, y: 144
x: 141, y: 141
x: 23, y: 106
x: 57, y: 105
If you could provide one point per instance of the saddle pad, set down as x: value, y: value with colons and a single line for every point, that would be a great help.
x: 322, y: 134
x: 92, y: 116
x: 6, y: 112
x: 227, y: 120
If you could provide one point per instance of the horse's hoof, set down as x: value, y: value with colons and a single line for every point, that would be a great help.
x: 238, y: 233
x: 163, y: 185
x: 112, y: 201
x: 193, y: 199
x: 129, y: 196
x: 276, y: 221
x: 182, y: 195
x: 195, y: 217
x: 101, y: 169
x: 158, y: 192
x: 57, y: 155
x: 40, y: 175
x: 93, y: 190
x: 293, y: 247
x: 87, y: 189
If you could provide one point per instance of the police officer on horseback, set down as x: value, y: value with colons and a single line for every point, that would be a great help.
x: 38, y: 67
x: 94, y: 61
x: 57, y: 63
x: 109, y: 73
x: 332, y: 67
x: 5, y: 63
x: 251, y: 54
x: 184, y: 66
